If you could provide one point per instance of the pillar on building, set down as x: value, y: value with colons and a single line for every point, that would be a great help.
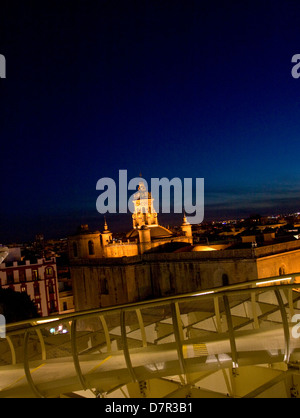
x: 144, y: 239
x: 186, y: 228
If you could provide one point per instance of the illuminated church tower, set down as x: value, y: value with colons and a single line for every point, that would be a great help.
x: 106, y: 235
x: 186, y: 227
x: 144, y: 212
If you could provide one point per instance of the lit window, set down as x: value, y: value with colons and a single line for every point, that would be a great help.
x: 49, y: 271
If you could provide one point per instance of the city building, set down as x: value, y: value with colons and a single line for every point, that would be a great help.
x: 37, y: 278
x: 109, y: 282
x: 66, y: 300
x: 155, y: 262
x: 3, y: 253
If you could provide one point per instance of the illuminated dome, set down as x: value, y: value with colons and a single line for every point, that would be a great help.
x: 156, y: 232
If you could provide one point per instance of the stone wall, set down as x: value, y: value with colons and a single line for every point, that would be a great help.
x: 107, y: 282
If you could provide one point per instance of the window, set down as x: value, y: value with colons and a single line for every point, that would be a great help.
x: 10, y: 277
x: 104, y: 287
x: 75, y: 249
x: 65, y: 306
x: 36, y: 289
x: 22, y: 276
x: 35, y: 275
x: 51, y: 288
x: 52, y: 306
x: 49, y: 271
x: 282, y: 271
x: 225, y: 280
x: 91, y: 248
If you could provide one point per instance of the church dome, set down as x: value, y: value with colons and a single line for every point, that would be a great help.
x: 156, y: 232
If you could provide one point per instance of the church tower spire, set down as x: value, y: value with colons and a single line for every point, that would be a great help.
x: 144, y: 212
x: 105, y: 224
x: 106, y: 234
x: 186, y: 227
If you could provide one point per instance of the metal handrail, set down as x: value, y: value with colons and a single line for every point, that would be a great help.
x: 201, y: 294
x: 251, y: 287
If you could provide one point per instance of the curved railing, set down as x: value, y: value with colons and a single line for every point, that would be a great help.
x: 103, y: 349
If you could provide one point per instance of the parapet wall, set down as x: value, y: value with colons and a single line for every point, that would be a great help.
x: 38, y: 262
x: 277, y: 249
x: 172, y: 257
x: 104, y: 282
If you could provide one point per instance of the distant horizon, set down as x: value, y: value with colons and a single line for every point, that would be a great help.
x: 122, y: 223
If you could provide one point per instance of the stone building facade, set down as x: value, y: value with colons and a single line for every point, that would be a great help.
x: 38, y: 279
x: 105, y: 272
x: 145, y: 235
x: 108, y: 282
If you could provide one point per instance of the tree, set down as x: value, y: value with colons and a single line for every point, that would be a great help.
x: 16, y: 306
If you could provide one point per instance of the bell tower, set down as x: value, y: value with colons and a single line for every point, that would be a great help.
x: 144, y: 212
x: 186, y: 227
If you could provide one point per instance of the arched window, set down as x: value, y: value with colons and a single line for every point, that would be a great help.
x: 75, y: 249
x: 91, y: 248
x: 282, y: 271
x: 225, y: 280
x: 49, y: 271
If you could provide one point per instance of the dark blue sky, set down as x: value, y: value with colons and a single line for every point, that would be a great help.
x: 164, y: 87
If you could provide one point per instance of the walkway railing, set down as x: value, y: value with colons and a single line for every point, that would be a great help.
x: 102, y: 349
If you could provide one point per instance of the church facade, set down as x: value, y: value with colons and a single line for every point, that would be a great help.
x: 148, y: 263
x: 104, y: 282
x: 146, y: 234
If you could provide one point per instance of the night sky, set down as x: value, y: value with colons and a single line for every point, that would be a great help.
x: 163, y: 87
